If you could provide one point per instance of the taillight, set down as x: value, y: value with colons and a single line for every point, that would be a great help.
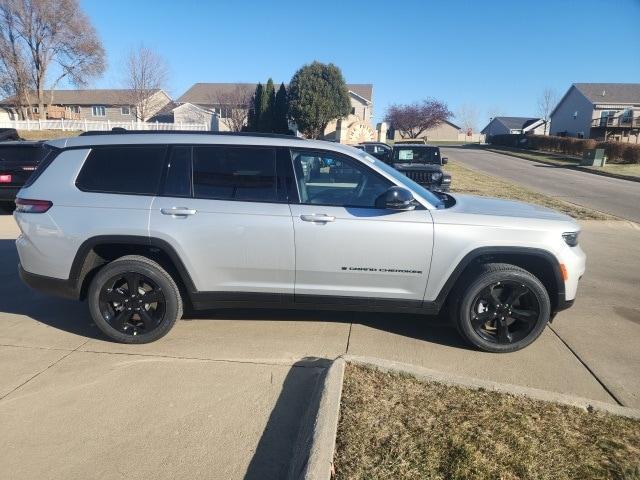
x: 5, y: 178
x: 26, y: 205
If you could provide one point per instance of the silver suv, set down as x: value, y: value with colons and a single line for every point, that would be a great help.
x: 141, y: 224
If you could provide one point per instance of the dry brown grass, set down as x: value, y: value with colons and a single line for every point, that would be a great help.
x: 466, y: 180
x: 47, y: 134
x: 397, y: 427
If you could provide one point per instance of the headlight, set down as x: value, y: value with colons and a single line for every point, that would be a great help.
x: 571, y: 238
x: 436, y: 176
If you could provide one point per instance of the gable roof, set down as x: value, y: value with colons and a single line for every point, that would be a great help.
x: 610, y: 92
x: 516, y: 123
x: 105, y: 96
x: 207, y: 93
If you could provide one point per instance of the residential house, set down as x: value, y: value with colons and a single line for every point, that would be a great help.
x: 445, y: 131
x: 119, y: 105
x: 602, y: 111
x: 215, y: 103
x: 514, y: 126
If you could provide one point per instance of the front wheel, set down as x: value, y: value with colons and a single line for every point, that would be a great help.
x: 134, y: 300
x: 502, y: 309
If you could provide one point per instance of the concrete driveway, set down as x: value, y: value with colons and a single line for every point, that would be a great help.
x: 611, y: 195
x: 225, y: 394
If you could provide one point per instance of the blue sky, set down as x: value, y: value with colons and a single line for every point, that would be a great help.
x: 495, y: 55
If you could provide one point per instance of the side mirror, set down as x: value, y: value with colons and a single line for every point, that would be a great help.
x: 445, y: 160
x: 396, y: 198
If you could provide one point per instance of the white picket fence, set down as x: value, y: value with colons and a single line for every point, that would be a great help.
x: 86, y: 125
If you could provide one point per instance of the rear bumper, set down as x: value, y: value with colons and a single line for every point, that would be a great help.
x: 9, y: 194
x: 49, y: 285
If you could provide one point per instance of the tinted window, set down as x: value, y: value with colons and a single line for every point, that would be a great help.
x: 326, y: 178
x: 133, y: 170
x: 178, y: 181
x: 234, y: 173
x: 416, y: 155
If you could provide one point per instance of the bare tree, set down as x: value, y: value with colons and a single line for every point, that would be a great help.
x: 15, y: 81
x: 53, y: 32
x: 234, y: 107
x: 467, y: 115
x: 414, y: 119
x: 145, y: 73
x: 546, y: 103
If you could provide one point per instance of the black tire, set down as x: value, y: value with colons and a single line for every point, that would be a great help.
x: 129, y: 325
x: 468, y: 308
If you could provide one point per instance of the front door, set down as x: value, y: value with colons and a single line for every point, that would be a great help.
x: 348, y: 250
x: 223, y: 210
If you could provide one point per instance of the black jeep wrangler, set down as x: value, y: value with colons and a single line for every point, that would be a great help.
x: 422, y: 164
x: 18, y: 160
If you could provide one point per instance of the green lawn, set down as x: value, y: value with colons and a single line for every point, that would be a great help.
x: 395, y: 426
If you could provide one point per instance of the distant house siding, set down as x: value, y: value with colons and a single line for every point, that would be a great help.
x: 495, y: 127
x: 189, y: 113
x: 573, y: 115
x: 444, y: 131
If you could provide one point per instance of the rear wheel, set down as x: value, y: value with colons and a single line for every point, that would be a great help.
x: 502, y: 309
x: 134, y: 300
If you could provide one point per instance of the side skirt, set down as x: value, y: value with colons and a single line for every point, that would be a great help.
x: 214, y: 300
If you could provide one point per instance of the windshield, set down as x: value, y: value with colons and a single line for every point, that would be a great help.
x: 406, y: 181
x: 411, y: 154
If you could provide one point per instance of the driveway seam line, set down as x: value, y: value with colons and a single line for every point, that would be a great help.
x: 348, y: 338
x: 284, y: 363
x: 584, y: 364
x: 43, y: 370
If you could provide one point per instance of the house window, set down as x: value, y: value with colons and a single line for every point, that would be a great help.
x: 125, y: 110
x: 575, y: 114
x: 75, y: 108
x: 98, y: 111
x: 35, y: 109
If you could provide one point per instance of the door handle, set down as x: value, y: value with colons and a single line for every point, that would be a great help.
x: 178, y: 211
x: 317, y: 218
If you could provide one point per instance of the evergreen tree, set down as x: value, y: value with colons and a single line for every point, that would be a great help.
x: 265, y: 122
x: 317, y: 95
x: 280, y: 111
x: 256, y: 109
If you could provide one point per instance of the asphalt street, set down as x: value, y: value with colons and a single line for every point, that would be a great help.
x: 611, y: 195
x: 224, y: 394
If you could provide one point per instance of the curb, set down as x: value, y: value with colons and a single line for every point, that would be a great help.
x: 570, y: 167
x: 320, y: 443
x: 457, y: 380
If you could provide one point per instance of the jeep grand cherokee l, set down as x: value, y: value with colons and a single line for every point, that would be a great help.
x: 140, y: 224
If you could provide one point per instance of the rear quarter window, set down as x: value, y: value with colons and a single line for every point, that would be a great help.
x: 132, y: 170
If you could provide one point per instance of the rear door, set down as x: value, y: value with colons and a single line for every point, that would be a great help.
x: 226, y: 214
x: 348, y: 249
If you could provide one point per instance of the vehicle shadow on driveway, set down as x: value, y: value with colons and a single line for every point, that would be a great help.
x: 284, y: 447
x: 73, y: 317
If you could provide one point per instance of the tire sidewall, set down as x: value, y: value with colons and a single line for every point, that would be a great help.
x: 464, y: 309
x: 154, y: 274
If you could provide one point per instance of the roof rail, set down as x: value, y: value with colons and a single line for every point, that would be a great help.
x: 122, y: 131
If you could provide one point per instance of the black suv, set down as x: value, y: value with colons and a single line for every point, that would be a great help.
x: 18, y: 160
x: 380, y: 150
x: 422, y: 164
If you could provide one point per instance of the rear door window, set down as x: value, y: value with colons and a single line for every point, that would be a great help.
x: 134, y: 170
x: 235, y: 173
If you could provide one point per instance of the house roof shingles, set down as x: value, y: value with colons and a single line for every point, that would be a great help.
x: 613, y: 92
x: 516, y: 122
x: 84, y: 97
x: 207, y: 93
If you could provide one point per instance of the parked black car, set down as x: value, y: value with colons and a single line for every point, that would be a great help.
x: 18, y: 160
x: 379, y: 150
x: 422, y: 164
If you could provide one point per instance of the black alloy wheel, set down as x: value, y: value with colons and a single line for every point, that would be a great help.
x: 132, y: 303
x: 505, y: 312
